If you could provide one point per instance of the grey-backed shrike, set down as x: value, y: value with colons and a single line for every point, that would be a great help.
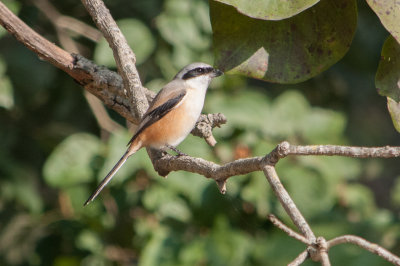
x: 171, y: 116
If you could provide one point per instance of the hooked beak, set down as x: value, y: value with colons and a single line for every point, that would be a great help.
x: 217, y: 73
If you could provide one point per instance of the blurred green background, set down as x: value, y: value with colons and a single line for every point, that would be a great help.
x: 53, y: 153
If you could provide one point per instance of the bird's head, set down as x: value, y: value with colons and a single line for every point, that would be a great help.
x: 198, y: 74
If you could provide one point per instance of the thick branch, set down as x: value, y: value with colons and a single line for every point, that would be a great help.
x: 165, y: 163
x: 33, y: 41
x: 168, y: 163
x: 107, y: 86
x: 124, y: 57
x: 101, y: 82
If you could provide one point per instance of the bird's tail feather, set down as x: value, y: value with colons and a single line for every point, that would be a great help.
x: 131, y: 150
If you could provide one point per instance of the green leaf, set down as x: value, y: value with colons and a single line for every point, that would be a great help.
x: 360, y: 199
x: 255, y: 104
x: 188, y: 184
x: 183, y: 23
x: 387, y: 79
x: 394, y: 110
x: 286, y: 120
x: 322, y: 126
x: 388, y: 12
x: 88, y: 240
x: 182, y: 30
x: 307, y: 185
x: 223, y: 250
x: 176, y: 209
x: 270, y: 9
x: 286, y: 51
x: 193, y: 252
x: 69, y: 163
x: 152, y: 251
x: 139, y: 38
x: 6, y: 88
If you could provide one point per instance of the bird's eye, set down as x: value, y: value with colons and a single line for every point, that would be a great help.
x: 200, y: 70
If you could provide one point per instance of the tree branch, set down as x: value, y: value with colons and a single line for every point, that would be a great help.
x: 300, y: 258
x: 278, y: 223
x: 123, y: 55
x: 347, y: 151
x: 371, y: 247
x: 287, y: 202
x: 33, y: 41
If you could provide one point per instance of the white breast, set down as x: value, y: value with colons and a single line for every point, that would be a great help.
x: 192, y: 105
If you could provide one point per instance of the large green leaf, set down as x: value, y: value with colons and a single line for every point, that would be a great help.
x: 69, y: 163
x: 387, y: 78
x: 270, y: 9
x: 388, y: 12
x: 286, y: 51
x: 388, y: 75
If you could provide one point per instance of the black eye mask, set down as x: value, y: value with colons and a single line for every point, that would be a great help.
x: 197, y: 72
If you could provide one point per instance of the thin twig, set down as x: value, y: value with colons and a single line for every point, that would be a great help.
x: 67, y: 23
x: 371, y: 247
x: 347, y: 151
x: 278, y: 223
x: 300, y: 258
x: 287, y: 202
x: 101, y: 115
x: 79, y: 27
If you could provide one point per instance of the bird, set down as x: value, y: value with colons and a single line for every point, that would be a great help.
x: 171, y: 115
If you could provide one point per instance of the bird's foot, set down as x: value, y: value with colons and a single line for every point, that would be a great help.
x: 177, y: 151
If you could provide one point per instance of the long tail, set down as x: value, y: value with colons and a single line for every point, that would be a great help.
x: 131, y: 150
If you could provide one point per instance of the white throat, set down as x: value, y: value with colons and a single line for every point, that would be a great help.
x: 200, y: 83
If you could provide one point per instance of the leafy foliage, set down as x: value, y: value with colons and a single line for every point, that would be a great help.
x: 52, y: 154
x: 286, y: 51
x: 388, y: 13
x: 271, y: 9
x: 388, y: 78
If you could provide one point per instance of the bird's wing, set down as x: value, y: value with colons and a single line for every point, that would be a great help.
x: 166, y: 100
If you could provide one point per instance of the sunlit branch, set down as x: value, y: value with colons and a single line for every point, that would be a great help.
x: 123, y: 55
x: 371, y: 247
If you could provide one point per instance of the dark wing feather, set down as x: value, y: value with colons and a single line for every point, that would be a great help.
x: 157, y: 113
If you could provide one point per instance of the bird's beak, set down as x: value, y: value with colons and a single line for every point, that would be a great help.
x: 217, y: 73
